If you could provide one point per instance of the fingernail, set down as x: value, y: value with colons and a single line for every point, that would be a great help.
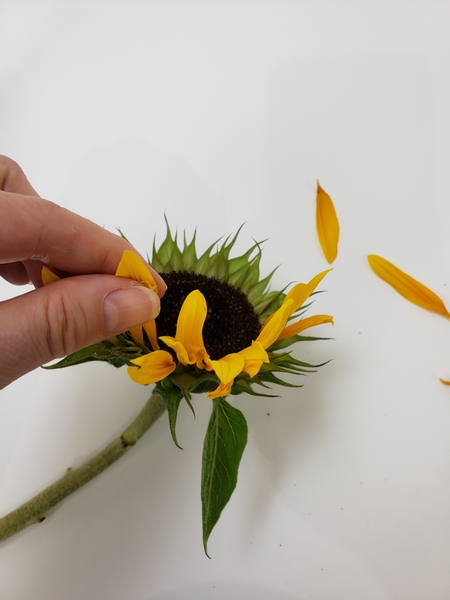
x: 129, y: 307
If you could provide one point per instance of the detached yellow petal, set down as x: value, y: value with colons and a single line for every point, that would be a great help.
x: 444, y: 381
x: 133, y: 267
x: 327, y: 224
x: 188, y: 341
x: 406, y: 286
x: 303, y: 324
x: 48, y: 276
x: 153, y: 367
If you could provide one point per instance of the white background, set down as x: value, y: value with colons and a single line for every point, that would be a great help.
x: 218, y: 113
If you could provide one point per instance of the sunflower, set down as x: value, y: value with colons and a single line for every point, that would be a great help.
x: 221, y: 331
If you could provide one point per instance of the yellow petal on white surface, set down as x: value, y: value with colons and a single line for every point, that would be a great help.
x: 327, y: 224
x: 407, y: 286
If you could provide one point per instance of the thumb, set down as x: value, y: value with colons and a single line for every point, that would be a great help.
x: 68, y: 315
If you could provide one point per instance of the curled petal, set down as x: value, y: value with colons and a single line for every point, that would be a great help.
x: 254, y: 356
x: 327, y: 224
x: 406, y: 286
x: 303, y: 324
x: 226, y: 369
x: 133, y: 267
x: 178, y: 348
x: 48, y: 276
x: 444, y: 381
x: 188, y: 341
x: 153, y: 367
x: 221, y: 391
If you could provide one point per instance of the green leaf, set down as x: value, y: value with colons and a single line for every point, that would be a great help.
x: 224, y: 444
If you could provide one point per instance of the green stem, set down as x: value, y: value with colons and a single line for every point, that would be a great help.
x: 34, y: 510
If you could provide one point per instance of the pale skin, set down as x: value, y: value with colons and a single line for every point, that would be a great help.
x: 87, y: 305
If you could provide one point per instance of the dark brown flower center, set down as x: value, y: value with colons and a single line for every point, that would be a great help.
x: 231, y: 323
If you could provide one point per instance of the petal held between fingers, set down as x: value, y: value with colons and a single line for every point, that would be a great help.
x: 133, y: 267
x: 407, y: 286
x: 48, y: 276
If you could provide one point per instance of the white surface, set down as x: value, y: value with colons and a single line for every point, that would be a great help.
x: 218, y: 113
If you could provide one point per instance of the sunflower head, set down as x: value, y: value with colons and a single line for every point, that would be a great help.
x: 221, y: 331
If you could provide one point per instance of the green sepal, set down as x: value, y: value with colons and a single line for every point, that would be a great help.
x: 161, y: 257
x: 258, y: 288
x: 280, y: 344
x: 172, y: 396
x: 270, y: 377
x: 197, y: 382
x: 223, y: 447
x: 104, y: 351
x: 189, y: 253
x: 241, y: 386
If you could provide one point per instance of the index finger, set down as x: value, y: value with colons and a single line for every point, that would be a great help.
x: 35, y: 229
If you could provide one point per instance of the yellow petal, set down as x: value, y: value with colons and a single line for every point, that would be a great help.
x: 302, y: 291
x: 254, y: 356
x: 179, y: 350
x: 406, y: 286
x: 220, y: 392
x: 133, y: 267
x: 153, y: 367
x: 136, y: 332
x: 327, y: 224
x: 226, y: 369
x: 48, y: 276
x: 297, y: 297
x: 188, y: 341
x: 150, y: 329
x: 444, y: 381
x: 275, y: 324
x: 303, y: 324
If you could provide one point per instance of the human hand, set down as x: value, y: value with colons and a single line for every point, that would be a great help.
x: 86, y: 307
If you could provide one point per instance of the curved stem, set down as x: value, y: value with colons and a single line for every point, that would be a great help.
x: 35, y: 509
